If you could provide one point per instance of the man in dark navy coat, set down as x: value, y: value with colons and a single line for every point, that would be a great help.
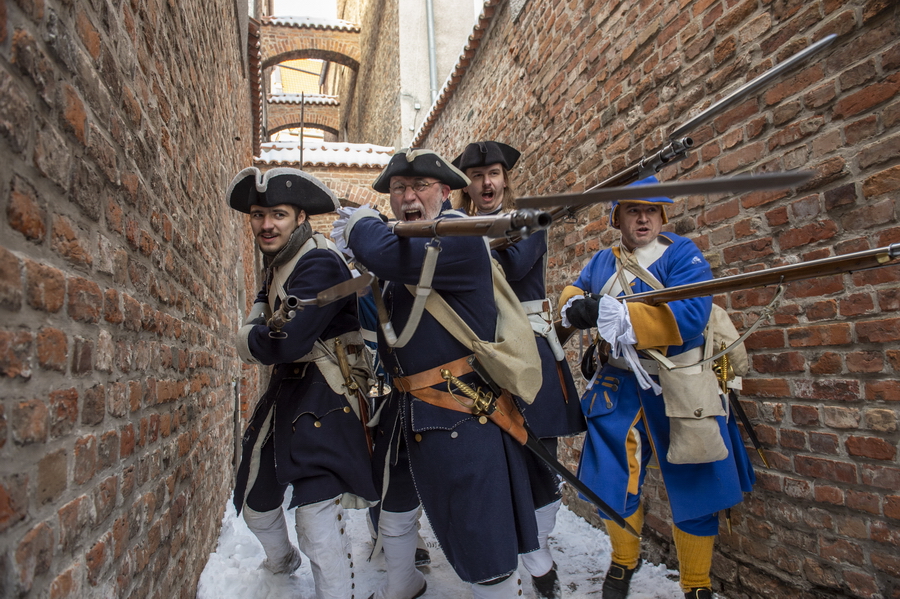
x: 306, y: 430
x: 556, y: 411
x: 468, y: 474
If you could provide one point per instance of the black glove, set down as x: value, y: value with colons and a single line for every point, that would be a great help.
x: 583, y: 313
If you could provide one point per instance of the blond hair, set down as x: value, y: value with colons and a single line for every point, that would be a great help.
x: 460, y: 199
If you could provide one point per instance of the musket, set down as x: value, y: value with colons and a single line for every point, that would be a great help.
x: 824, y: 267
x: 519, y: 222
x: 679, y: 143
x: 292, y: 304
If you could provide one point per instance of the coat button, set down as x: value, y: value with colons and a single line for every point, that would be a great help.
x: 698, y: 412
x: 346, y: 409
x: 454, y: 435
x: 418, y: 437
x: 482, y: 419
x: 275, y: 370
x: 318, y: 424
x: 396, y: 370
x: 296, y: 371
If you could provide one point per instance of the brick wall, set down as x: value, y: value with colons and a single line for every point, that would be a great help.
x: 121, y: 124
x: 370, y: 98
x: 586, y: 88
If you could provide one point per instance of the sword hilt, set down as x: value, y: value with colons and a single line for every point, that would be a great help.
x: 483, y: 403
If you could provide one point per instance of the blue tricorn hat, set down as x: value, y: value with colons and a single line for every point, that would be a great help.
x: 660, y: 201
x: 485, y: 153
x: 280, y: 186
x: 413, y: 162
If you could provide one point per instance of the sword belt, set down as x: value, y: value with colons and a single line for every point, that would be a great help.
x: 505, y: 415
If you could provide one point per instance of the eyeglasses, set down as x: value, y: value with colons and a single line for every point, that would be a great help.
x: 418, y: 187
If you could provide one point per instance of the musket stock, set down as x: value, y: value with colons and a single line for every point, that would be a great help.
x: 856, y: 261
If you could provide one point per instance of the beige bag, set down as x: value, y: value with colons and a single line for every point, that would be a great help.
x: 512, y: 360
x: 692, y: 402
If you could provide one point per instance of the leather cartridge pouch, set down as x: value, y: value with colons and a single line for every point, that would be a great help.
x: 692, y: 402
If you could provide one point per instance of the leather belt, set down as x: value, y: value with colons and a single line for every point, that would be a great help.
x: 430, y: 377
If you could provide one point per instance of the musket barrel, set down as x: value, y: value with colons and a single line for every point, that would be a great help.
x: 835, y: 265
x: 477, y: 226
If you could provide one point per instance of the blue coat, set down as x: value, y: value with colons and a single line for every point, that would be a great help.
x: 471, y: 478
x: 550, y: 415
x: 321, y: 460
x: 694, y: 490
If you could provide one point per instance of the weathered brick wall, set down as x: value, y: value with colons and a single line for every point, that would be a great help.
x: 121, y: 124
x: 287, y: 42
x: 370, y: 98
x: 586, y: 88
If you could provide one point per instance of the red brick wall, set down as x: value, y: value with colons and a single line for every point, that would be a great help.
x: 370, y: 99
x: 121, y: 124
x: 586, y: 88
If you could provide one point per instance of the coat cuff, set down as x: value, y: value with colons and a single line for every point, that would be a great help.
x: 243, y: 345
x: 654, y: 326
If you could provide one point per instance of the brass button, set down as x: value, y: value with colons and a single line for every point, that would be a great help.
x: 296, y: 371
x: 396, y: 370
x: 418, y: 437
x: 340, y: 517
x: 318, y: 424
x: 698, y: 412
x: 346, y: 409
x: 482, y: 419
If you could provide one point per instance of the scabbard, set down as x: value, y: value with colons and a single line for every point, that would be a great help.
x: 742, y: 416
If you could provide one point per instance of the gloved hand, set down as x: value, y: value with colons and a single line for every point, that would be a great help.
x: 582, y: 312
x: 337, y: 231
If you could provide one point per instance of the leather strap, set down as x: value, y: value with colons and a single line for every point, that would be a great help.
x: 506, y: 415
x: 427, y: 378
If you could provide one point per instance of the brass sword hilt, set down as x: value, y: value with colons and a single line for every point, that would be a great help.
x: 483, y: 403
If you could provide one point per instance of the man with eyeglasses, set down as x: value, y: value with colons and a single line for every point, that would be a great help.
x: 469, y: 475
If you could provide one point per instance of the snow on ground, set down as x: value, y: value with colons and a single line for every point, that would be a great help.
x: 582, y: 554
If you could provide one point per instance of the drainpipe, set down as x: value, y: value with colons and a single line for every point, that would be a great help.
x: 432, y: 53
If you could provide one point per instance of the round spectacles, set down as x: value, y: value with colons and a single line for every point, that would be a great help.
x: 417, y: 187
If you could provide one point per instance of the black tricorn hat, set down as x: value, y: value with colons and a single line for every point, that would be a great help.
x: 413, y: 162
x: 485, y: 153
x: 280, y: 186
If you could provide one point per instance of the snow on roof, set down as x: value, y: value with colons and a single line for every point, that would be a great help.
x: 308, y: 98
x: 325, y: 153
x: 312, y: 23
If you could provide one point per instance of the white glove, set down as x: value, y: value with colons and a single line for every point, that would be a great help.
x: 337, y: 231
x: 614, y: 325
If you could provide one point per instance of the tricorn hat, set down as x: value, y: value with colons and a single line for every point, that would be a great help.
x: 280, y: 186
x: 413, y: 162
x: 660, y: 201
x: 485, y: 153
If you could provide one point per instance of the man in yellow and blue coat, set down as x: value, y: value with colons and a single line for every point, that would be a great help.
x: 626, y: 414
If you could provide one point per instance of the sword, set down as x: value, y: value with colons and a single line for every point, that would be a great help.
x: 742, y: 416
x: 535, y: 445
x: 737, y: 184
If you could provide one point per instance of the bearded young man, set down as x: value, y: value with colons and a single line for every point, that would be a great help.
x: 555, y: 411
x: 636, y: 409
x: 305, y: 430
x: 469, y: 475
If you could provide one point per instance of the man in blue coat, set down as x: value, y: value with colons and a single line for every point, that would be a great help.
x: 634, y: 412
x: 555, y: 411
x: 306, y: 430
x: 470, y: 476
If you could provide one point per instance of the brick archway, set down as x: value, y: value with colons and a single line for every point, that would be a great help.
x: 284, y: 39
x: 320, y: 112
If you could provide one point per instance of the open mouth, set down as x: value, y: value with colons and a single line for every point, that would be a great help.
x: 411, y: 215
x: 487, y: 196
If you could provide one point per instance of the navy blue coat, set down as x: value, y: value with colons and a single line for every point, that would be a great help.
x: 471, y: 478
x: 321, y: 460
x: 550, y: 415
